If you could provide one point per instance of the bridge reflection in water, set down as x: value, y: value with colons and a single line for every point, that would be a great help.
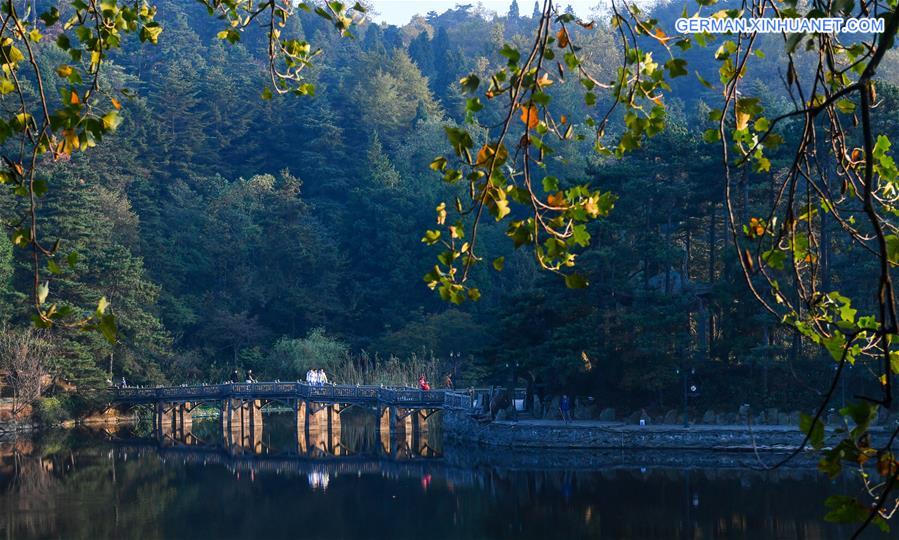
x: 257, y: 427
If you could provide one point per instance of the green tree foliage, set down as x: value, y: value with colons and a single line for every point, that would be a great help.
x: 389, y: 101
x: 185, y: 229
x: 292, y: 358
x: 513, y: 10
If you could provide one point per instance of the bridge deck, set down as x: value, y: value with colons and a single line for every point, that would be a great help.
x: 343, y: 394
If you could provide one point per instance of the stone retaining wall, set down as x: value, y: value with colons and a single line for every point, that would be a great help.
x: 460, y: 426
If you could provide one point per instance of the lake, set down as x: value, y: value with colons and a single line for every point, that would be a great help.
x: 352, y: 484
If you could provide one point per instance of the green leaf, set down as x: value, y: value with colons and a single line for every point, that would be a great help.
x: 473, y: 105
x: 21, y: 238
x: 861, y: 412
x: 431, y: 237
x: 470, y: 83
x: 107, y: 327
x: 550, y: 184
x: 711, y: 135
x: 150, y: 32
x: 230, y: 35
x: 511, y: 53
x: 774, y: 258
x: 499, y: 263
x: 704, y: 82
x: 892, y: 242
x: 575, y: 281
x: 50, y: 17
x: 845, y: 509
x: 814, y: 431
x: 439, y: 164
x: 845, y: 106
x: 111, y: 120
x: 677, y: 67
x: 63, y: 42
x: 53, y: 267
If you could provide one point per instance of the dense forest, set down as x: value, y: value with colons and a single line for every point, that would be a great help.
x: 231, y: 231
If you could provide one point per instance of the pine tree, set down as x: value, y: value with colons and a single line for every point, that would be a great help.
x: 422, y: 54
x: 6, y: 273
x: 75, y: 211
x: 513, y: 11
x: 381, y: 169
x: 537, y: 11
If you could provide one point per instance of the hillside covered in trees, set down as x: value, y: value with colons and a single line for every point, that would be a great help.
x: 228, y: 230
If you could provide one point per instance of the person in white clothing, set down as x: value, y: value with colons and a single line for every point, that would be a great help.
x: 309, y: 376
x: 323, y: 378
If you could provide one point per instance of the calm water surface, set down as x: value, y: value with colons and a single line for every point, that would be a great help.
x: 354, y: 484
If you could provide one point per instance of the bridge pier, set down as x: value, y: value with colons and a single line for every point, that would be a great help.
x: 242, y: 424
x: 173, y: 421
x: 321, y: 427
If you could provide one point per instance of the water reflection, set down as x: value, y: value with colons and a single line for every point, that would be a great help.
x: 319, y: 432
x: 351, y: 485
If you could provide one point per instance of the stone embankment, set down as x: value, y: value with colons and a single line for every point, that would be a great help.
x: 461, y: 426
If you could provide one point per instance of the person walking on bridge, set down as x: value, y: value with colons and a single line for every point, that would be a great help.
x: 235, y: 377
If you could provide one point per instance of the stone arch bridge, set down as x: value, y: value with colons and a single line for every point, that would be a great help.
x: 317, y: 410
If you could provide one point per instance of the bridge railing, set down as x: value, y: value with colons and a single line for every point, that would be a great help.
x: 477, y: 398
x: 274, y: 390
x: 457, y: 401
x: 400, y: 396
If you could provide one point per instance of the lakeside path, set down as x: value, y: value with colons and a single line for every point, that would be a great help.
x: 617, y: 435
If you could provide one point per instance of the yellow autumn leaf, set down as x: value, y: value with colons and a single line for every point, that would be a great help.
x: 556, y: 199
x: 487, y: 152
x: 742, y: 119
x: 483, y: 155
x: 530, y: 116
x: 562, y: 36
x: 71, y: 140
x: 592, y: 207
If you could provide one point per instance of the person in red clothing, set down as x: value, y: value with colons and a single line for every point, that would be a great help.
x: 423, y: 383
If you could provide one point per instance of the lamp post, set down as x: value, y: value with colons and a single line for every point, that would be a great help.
x: 454, y: 360
x: 843, y: 377
x: 689, y: 389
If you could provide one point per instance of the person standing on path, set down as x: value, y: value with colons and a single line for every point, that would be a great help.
x: 565, y: 408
